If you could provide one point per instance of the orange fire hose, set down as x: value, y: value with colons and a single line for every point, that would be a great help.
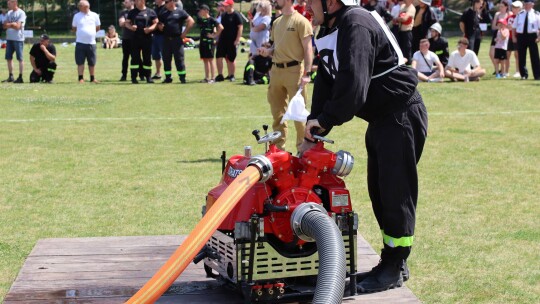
x: 202, y: 232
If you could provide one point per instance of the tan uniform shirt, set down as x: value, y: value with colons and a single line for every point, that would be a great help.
x: 288, y: 31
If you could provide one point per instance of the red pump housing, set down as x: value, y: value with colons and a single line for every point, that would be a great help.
x: 310, y: 178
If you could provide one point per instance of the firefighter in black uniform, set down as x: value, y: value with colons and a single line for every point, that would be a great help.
x: 42, y: 58
x: 142, y: 21
x: 171, y: 21
x: 438, y: 44
x: 257, y: 70
x: 362, y: 73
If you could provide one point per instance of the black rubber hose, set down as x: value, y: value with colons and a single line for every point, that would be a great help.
x: 332, y: 259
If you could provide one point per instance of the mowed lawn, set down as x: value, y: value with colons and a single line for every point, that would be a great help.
x: 115, y: 159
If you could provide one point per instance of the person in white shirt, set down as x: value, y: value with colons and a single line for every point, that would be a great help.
x: 85, y: 24
x: 526, y: 30
x: 427, y: 64
x: 463, y: 64
x: 14, y: 26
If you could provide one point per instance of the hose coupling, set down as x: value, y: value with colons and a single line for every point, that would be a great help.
x: 344, y: 163
x: 264, y: 165
x: 298, y: 215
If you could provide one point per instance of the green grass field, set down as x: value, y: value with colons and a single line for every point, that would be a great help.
x: 116, y: 159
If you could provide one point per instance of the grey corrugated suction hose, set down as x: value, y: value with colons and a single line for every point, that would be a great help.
x: 310, y: 222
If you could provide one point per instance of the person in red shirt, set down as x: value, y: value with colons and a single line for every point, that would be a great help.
x: 301, y: 8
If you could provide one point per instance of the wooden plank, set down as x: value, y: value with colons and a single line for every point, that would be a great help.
x: 113, y: 241
x: 111, y: 269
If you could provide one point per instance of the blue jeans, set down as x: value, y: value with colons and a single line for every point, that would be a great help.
x: 14, y: 46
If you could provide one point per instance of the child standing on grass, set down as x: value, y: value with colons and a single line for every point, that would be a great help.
x: 501, y: 45
x: 210, y: 30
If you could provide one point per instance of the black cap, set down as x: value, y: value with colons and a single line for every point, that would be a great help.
x: 528, y: 1
x: 44, y: 37
x: 204, y: 7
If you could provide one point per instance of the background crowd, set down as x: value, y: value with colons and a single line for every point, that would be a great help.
x: 152, y: 35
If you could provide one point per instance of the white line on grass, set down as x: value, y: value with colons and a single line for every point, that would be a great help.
x: 76, y: 119
x: 82, y: 119
x: 482, y: 113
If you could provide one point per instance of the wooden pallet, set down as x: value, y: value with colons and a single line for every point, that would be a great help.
x: 111, y: 269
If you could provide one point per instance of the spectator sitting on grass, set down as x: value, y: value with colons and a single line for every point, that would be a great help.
x: 111, y: 38
x: 439, y: 44
x: 461, y: 63
x: 427, y: 63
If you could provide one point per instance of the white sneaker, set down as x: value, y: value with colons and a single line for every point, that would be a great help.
x: 438, y: 79
x: 517, y: 75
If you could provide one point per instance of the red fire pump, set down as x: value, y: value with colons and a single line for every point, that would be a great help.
x: 276, y: 245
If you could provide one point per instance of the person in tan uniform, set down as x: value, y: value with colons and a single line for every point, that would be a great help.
x: 292, y: 55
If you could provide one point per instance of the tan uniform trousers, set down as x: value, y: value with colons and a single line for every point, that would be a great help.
x: 284, y: 83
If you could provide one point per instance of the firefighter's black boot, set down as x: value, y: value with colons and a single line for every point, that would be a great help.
x: 405, y: 271
x: 386, y: 275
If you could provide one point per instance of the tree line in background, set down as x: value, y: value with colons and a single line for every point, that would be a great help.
x: 55, y: 15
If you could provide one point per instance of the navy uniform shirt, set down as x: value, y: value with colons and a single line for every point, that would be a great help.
x: 361, y: 71
x: 126, y: 33
x: 173, y: 21
x: 142, y: 19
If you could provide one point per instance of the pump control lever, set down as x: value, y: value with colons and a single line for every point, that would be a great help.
x: 315, y: 131
x: 256, y: 134
x: 324, y: 139
x: 270, y: 137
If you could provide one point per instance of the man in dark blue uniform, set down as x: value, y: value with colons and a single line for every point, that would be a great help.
x: 127, y: 37
x: 362, y: 73
x: 142, y: 20
x: 171, y: 21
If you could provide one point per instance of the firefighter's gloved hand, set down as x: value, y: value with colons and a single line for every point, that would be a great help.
x: 296, y: 109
